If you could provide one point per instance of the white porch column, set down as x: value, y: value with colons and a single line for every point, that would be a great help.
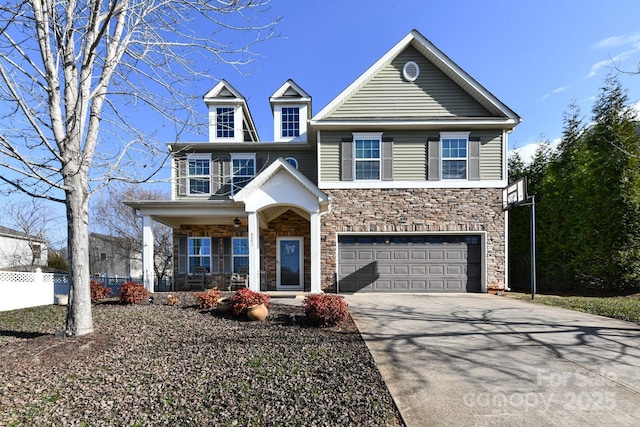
x: 148, y: 274
x: 315, y: 252
x: 254, y: 252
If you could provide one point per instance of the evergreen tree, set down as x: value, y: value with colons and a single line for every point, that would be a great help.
x: 587, y: 203
x: 561, y: 211
x: 518, y: 219
x: 609, y: 258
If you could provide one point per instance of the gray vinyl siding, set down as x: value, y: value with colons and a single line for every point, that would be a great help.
x: 410, y: 154
x: 490, y: 154
x: 388, y: 95
x: 306, y: 164
x: 329, y: 169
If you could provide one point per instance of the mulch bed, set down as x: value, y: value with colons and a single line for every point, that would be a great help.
x: 155, y: 364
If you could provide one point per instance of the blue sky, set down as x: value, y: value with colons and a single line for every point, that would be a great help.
x: 535, y: 56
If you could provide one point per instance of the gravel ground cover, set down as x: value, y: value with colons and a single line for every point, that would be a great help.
x: 156, y: 364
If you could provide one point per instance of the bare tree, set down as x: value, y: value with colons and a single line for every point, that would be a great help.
x: 80, y: 80
x: 116, y: 219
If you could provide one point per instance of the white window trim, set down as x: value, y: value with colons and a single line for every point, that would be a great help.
x: 241, y: 156
x: 277, y: 126
x: 292, y: 161
x: 189, y: 255
x: 189, y: 176
x: 454, y: 135
x: 238, y: 134
x: 367, y: 135
x: 234, y: 256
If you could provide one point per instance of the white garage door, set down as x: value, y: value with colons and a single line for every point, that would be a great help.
x: 447, y: 263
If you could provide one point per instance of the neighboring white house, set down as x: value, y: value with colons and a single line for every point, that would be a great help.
x: 21, y: 251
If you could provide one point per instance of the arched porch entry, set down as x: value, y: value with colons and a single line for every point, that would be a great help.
x: 278, y: 191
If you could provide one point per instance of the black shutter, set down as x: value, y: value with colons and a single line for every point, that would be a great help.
x: 387, y: 159
x: 474, y: 159
x: 182, y: 176
x: 261, y: 253
x: 215, y: 255
x: 260, y: 163
x: 347, y: 160
x: 216, y: 179
x: 434, y: 159
x: 226, y: 176
x: 182, y: 255
x: 226, y: 256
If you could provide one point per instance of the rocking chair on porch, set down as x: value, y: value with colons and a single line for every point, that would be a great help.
x: 197, y: 280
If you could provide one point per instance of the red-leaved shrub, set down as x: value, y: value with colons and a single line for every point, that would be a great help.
x: 325, y: 309
x: 245, y: 298
x: 208, y: 298
x: 132, y: 293
x: 99, y: 291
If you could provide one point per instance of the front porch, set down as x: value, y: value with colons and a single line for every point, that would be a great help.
x: 224, y: 251
x: 268, y: 231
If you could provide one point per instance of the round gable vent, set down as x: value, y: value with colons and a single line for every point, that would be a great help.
x: 410, y: 71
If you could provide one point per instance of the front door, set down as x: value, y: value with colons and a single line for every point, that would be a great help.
x: 290, y: 265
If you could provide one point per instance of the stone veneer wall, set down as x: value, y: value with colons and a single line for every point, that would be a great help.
x: 414, y: 210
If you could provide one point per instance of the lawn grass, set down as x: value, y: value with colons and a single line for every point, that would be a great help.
x: 32, y: 321
x: 622, y: 307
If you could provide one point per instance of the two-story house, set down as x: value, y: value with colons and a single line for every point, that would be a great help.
x: 394, y: 186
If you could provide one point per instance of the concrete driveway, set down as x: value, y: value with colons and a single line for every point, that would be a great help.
x: 476, y: 359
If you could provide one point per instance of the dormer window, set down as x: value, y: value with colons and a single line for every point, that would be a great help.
x: 290, y: 122
x: 225, y: 123
x: 229, y: 117
x: 291, y: 107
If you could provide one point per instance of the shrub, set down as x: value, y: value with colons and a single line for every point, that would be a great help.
x: 57, y: 262
x: 208, y: 298
x: 173, y: 300
x: 132, y: 293
x: 245, y: 298
x: 99, y: 291
x: 325, y: 309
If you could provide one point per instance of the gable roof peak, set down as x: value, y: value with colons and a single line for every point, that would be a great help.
x: 223, y: 90
x: 290, y: 90
x: 427, y: 49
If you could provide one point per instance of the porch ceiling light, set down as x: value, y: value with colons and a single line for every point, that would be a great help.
x: 236, y: 222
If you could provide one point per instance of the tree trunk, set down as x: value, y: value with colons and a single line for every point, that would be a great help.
x: 79, y: 318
